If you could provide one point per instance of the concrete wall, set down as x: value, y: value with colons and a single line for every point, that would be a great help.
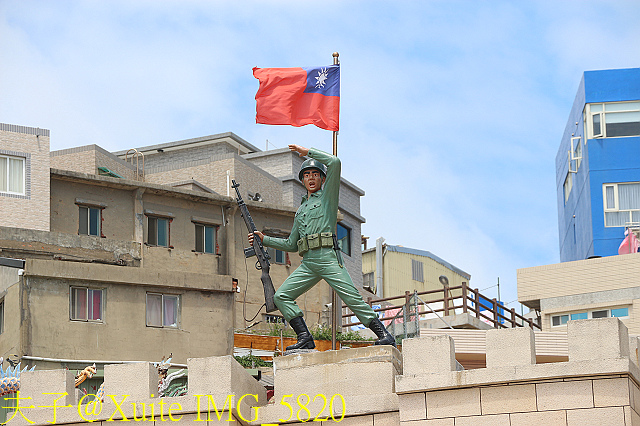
x: 87, y: 159
x: 10, y: 295
x: 381, y: 387
x: 205, y: 313
x: 117, y: 216
x: 212, y: 173
x: 578, y: 277
x: 30, y: 210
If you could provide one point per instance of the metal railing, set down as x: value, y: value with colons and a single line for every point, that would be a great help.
x: 442, y: 303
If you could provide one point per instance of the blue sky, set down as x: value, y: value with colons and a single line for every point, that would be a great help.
x: 451, y: 111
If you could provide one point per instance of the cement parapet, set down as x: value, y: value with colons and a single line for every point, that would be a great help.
x: 376, y: 385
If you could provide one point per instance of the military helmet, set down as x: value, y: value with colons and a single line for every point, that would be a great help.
x: 312, y: 163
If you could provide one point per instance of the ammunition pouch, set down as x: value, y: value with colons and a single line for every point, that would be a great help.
x: 315, y: 241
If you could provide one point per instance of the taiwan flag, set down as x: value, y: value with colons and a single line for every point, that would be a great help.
x: 299, y: 96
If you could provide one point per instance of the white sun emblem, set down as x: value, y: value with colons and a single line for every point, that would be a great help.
x: 321, y: 78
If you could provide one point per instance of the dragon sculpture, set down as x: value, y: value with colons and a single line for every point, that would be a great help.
x: 165, y: 387
x: 10, y: 378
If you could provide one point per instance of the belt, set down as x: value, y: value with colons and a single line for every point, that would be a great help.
x: 316, y: 241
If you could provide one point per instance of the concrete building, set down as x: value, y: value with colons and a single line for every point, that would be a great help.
x: 597, y: 172
x: 106, y: 259
x: 390, y: 270
x: 583, y: 289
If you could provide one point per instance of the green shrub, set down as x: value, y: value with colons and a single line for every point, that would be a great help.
x: 252, y: 361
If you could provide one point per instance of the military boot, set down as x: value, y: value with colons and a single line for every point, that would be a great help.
x: 305, y: 339
x: 384, y: 337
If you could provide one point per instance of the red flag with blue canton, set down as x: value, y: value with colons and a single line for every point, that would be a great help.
x: 299, y: 96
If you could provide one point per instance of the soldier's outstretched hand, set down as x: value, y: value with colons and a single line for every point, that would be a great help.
x: 302, y: 151
x: 258, y: 233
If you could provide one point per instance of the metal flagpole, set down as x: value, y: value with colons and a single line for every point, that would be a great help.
x: 336, y: 303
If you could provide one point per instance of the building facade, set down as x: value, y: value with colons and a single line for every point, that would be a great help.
x: 597, y: 172
x: 390, y: 270
x: 583, y: 289
x: 107, y: 258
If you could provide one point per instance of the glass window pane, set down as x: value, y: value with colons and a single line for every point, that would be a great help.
x: 79, y: 303
x: 611, y: 197
x: 344, y: 242
x: 170, y: 305
x: 629, y: 196
x: 279, y: 256
x: 564, y: 319
x: 95, y: 305
x: 94, y: 222
x: 152, y: 231
x: 154, y: 310
x: 3, y: 174
x: 163, y: 232
x: 597, y: 129
x: 579, y: 316
x: 199, y: 238
x: 623, y: 124
x: 620, y: 312
x: 621, y: 106
x: 600, y: 314
x: 616, y: 218
x: 83, y: 228
x: 555, y: 321
x: 596, y: 108
x: 16, y: 175
x: 209, y: 241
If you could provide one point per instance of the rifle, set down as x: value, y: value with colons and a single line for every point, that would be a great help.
x: 257, y: 250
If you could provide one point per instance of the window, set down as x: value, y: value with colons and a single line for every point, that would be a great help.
x: 620, y: 312
x: 417, y: 269
x: 90, y: 222
x: 616, y: 119
x: 559, y: 320
x: 579, y: 316
x: 12, y: 175
x: 600, y: 314
x: 1, y: 316
x: 162, y: 310
x: 344, y: 239
x: 158, y: 231
x: 621, y: 204
x: 86, y: 304
x: 207, y: 238
x: 568, y: 185
x: 368, y: 280
x: 576, y: 152
x: 278, y: 257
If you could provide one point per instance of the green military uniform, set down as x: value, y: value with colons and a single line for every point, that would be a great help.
x: 318, y: 214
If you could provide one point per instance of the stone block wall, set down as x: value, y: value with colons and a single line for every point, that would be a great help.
x: 31, y: 209
x: 87, y: 159
x: 598, y: 385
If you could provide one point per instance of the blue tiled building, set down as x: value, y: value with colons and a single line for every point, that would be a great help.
x: 598, y: 165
